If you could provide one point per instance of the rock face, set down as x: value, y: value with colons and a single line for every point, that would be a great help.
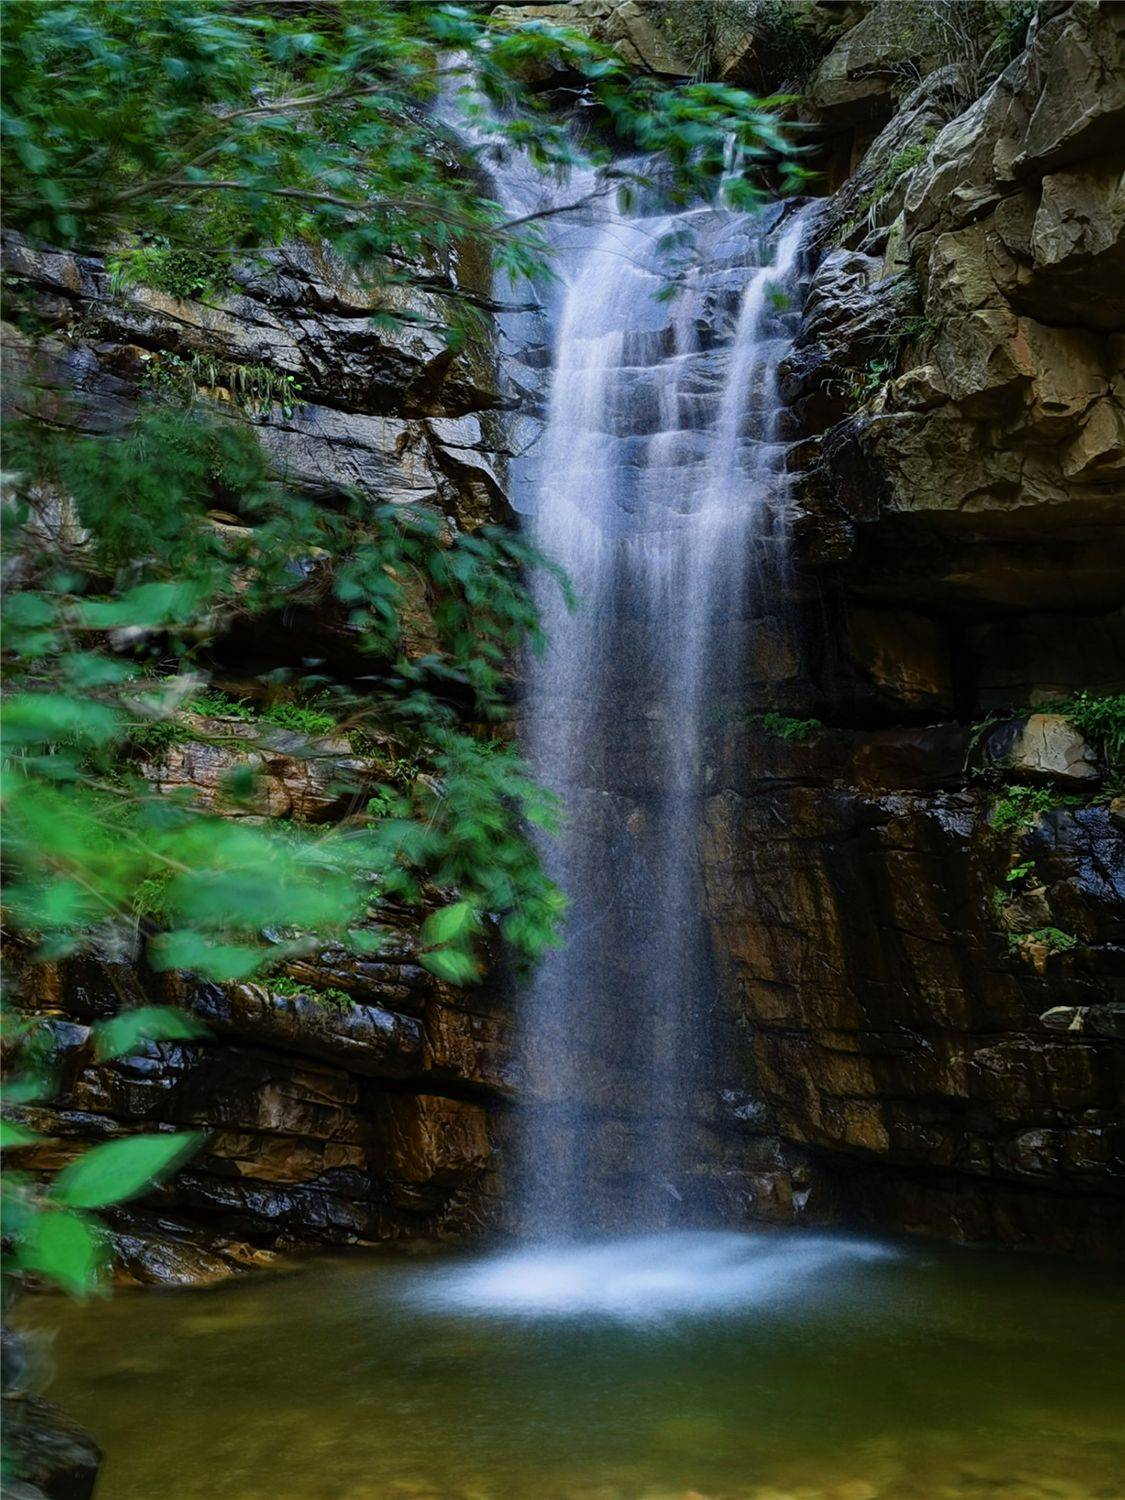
x: 54, y: 1457
x: 929, y: 976
x: 375, y: 1111
x: 371, y: 1115
x: 922, y: 972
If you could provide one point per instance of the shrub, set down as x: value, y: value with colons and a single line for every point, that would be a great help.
x: 1022, y: 806
x: 1054, y: 939
x: 1101, y: 720
x: 795, y: 731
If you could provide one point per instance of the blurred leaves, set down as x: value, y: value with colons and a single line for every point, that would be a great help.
x: 118, y: 1170
x: 123, y: 1033
x: 63, y: 1246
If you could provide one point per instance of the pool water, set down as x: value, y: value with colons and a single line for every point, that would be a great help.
x: 694, y: 1366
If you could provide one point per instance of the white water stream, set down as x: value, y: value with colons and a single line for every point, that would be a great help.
x: 657, y: 483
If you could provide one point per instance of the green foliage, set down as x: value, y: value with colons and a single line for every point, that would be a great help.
x: 193, y: 134
x: 1016, y: 17
x: 1020, y: 807
x: 52, y: 1230
x: 154, y: 737
x: 908, y: 158
x: 88, y: 842
x: 118, y: 1170
x: 213, y: 703
x: 862, y: 386
x: 61, y: 1245
x: 178, y: 270
x: 916, y: 328
x: 300, y: 718
x: 121, y: 1034
x: 1101, y: 720
x: 1025, y: 870
x: 862, y: 211
x: 187, y: 138
x: 255, y: 388
x: 706, y: 33
x: 795, y: 731
x: 330, y: 997
x: 1054, y: 938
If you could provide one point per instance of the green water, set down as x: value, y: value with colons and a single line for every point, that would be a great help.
x: 775, y: 1373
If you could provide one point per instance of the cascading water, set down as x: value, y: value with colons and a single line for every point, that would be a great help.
x: 657, y: 484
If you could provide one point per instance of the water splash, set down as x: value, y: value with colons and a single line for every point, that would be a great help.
x: 649, y: 1278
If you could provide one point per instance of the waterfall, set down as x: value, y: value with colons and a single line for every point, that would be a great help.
x: 657, y: 483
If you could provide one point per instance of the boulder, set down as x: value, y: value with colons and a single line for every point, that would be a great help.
x: 1043, y: 747
x: 861, y: 75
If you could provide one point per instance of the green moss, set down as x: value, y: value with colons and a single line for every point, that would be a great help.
x: 331, y: 998
x: 795, y: 731
x: 908, y: 158
x: 300, y: 718
x: 895, y: 169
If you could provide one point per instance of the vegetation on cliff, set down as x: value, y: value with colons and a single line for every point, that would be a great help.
x: 181, y: 141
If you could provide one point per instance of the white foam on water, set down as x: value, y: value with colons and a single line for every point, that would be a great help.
x: 638, y: 1278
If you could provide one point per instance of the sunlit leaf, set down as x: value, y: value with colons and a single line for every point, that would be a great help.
x: 118, y: 1170
x: 64, y: 1247
x: 148, y: 1023
x: 450, y: 922
x: 451, y: 964
x: 13, y: 1134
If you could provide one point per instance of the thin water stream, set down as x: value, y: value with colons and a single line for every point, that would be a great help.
x: 763, y: 1367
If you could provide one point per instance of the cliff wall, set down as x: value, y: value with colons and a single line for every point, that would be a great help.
x: 922, y: 970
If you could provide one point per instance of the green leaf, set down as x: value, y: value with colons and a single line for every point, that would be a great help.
x: 119, y: 1170
x: 451, y: 964
x: 185, y: 949
x: 449, y: 922
x: 12, y: 1134
x: 41, y: 718
x: 153, y: 1023
x: 64, y: 1247
x: 367, y: 939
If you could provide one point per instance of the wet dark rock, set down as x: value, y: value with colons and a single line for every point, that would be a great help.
x: 54, y: 1458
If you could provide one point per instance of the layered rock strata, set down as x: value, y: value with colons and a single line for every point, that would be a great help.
x: 912, y: 1033
x: 365, y: 1103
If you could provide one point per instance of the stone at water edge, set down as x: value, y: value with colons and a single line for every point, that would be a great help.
x: 55, y: 1457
